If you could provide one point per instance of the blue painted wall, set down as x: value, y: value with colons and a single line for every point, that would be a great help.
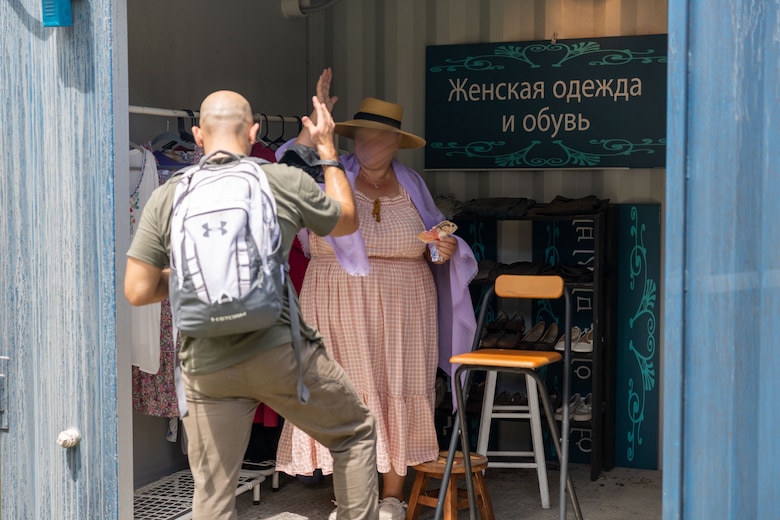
x: 57, y: 270
x: 721, y: 455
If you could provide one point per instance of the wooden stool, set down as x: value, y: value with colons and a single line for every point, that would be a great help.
x: 455, y: 499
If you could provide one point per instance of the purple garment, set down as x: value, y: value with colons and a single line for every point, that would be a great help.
x: 457, y: 324
x: 350, y: 249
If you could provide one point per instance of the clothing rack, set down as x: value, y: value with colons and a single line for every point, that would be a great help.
x: 167, y: 112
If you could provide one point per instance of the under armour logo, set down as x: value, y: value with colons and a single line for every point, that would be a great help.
x: 221, y: 227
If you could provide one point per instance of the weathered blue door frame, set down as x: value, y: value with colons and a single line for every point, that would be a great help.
x: 722, y: 275
x: 64, y: 137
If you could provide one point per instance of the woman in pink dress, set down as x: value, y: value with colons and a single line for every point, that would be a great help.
x: 382, y: 327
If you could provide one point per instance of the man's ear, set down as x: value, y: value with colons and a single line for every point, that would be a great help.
x: 197, y: 133
x: 253, y: 130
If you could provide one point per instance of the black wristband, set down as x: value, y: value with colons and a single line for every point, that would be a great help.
x: 328, y: 162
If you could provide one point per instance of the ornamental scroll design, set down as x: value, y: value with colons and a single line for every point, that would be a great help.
x: 567, y: 155
x: 526, y: 54
x: 645, y: 315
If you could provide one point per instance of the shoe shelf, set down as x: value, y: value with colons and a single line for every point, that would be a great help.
x: 589, y: 240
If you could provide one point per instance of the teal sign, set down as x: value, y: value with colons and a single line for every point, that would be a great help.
x: 591, y: 103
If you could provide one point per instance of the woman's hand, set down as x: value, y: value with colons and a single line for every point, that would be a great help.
x: 447, y: 247
x: 324, y: 98
x: 323, y: 90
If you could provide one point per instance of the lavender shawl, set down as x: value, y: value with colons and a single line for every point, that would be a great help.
x: 457, y: 324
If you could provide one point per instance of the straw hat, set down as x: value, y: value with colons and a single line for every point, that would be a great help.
x: 380, y: 115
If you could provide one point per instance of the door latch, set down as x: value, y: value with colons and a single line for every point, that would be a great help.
x: 4, y: 393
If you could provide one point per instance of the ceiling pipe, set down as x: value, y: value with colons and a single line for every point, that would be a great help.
x: 302, y: 8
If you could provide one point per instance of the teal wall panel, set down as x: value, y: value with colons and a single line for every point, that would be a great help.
x: 638, y: 272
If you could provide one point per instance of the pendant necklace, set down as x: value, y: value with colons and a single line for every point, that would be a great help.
x: 377, y: 211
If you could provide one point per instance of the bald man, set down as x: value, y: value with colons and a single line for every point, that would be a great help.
x: 226, y: 377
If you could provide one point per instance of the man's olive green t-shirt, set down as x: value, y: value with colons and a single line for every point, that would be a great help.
x: 299, y: 202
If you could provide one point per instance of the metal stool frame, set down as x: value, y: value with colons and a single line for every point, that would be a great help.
x: 561, y: 443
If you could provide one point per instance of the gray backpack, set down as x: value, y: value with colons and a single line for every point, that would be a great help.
x: 227, y: 274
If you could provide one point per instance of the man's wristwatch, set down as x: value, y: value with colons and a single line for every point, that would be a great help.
x: 328, y: 162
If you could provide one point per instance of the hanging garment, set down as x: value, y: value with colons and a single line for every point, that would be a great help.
x: 155, y: 394
x: 298, y: 260
x: 263, y: 152
x: 144, y: 320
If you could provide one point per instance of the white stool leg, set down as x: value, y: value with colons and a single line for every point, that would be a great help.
x: 256, y: 494
x: 487, y: 412
x: 275, y: 482
x: 536, y: 436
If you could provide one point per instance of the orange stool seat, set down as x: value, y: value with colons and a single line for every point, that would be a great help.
x: 503, y: 358
x: 455, y: 499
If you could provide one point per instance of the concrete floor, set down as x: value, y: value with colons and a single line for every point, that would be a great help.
x: 620, y: 494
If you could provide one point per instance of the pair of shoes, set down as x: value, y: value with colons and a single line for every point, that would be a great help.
x: 507, y: 399
x: 581, y: 340
x: 502, y: 332
x: 392, y: 509
x: 584, y: 411
x: 540, y: 337
x: 546, y: 342
x: 483, y: 269
x: 493, y: 330
x: 389, y: 509
x: 575, y: 336
x: 584, y: 343
x: 580, y: 409
x: 574, y: 401
x: 513, y: 331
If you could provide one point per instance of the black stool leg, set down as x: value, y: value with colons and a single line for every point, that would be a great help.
x: 548, y: 411
x: 445, y: 479
x: 464, y: 438
x: 464, y: 441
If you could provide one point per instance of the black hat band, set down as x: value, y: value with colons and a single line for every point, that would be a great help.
x: 378, y: 119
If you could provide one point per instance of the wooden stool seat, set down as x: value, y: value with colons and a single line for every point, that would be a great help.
x: 455, y: 499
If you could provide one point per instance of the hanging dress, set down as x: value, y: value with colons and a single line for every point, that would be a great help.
x: 154, y: 393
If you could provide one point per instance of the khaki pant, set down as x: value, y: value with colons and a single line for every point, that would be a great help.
x: 221, y: 409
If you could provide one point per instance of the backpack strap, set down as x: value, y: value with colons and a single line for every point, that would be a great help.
x: 207, y: 158
x: 256, y: 160
x: 295, y: 326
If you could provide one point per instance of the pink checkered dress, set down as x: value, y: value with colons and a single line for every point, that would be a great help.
x: 382, y: 329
